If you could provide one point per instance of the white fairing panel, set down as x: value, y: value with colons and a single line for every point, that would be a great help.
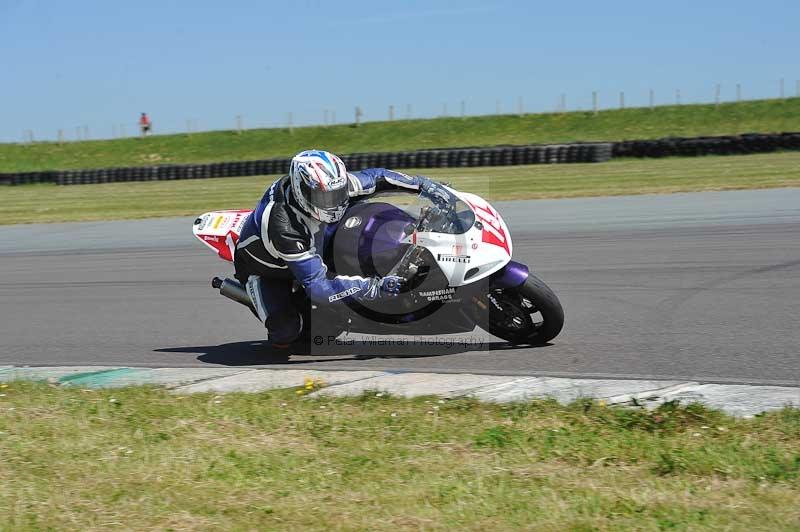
x: 482, y: 250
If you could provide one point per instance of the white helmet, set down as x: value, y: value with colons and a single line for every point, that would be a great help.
x: 319, y: 184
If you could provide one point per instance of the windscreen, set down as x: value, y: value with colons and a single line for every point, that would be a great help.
x: 453, y: 218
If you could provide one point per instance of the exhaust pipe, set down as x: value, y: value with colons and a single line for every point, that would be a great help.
x: 232, y: 290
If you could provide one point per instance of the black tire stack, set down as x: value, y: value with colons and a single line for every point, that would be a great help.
x: 696, y: 146
x: 586, y: 152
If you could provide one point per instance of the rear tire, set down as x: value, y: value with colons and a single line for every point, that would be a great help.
x: 527, y: 314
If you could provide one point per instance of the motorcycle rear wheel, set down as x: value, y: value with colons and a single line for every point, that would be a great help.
x: 527, y: 314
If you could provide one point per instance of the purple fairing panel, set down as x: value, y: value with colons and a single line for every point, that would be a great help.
x: 383, y: 232
x: 368, y: 240
x: 513, y: 274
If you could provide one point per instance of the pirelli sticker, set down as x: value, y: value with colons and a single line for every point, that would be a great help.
x: 461, y: 259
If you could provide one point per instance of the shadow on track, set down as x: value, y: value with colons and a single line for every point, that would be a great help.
x: 260, y: 353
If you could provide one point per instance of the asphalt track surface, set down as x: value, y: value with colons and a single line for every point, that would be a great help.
x: 702, y: 286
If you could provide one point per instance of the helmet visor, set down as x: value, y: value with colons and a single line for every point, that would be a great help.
x: 325, y: 199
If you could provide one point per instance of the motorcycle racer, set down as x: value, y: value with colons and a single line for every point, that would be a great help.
x: 280, y: 240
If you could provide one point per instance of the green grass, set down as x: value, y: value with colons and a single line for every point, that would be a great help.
x: 140, y: 458
x: 50, y: 203
x: 686, y: 120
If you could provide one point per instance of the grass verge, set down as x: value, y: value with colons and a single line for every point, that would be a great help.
x: 144, y: 459
x: 684, y: 120
x: 50, y: 203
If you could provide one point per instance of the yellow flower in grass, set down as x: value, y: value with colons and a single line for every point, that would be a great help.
x: 311, y: 384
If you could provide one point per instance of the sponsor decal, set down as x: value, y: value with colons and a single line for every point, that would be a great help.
x: 461, y: 259
x: 337, y: 183
x: 208, y: 238
x: 353, y: 221
x: 474, y: 245
x: 217, y: 222
x: 492, y: 229
x: 494, y: 302
x: 238, y: 223
x: 438, y: 295
x: 203, y: 222
x: 342, y: 295
x: 300, y: 247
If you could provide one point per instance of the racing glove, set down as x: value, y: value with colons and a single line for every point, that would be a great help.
x: 388, y: 286
x: 435, y: 191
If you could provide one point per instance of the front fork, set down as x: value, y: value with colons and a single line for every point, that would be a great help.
x: 512, y: 275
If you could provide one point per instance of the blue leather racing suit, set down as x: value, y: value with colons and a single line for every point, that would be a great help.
x: 280, y: 243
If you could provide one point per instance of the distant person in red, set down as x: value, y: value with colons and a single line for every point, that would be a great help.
x: 144, y: 124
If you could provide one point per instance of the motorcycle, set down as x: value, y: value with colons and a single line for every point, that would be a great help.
x: 455, y: 255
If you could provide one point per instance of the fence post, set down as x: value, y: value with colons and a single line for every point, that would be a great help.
x: 519, y: 106
x: 497, y: 107
x: 333, y: 117
x: 391, y: 113
x: 358, y: 116
x: 677, y: 96
x: 408, y: 111
x: 85, y: 132
x: 652, y: 99
x: 239, y: 124
x: 738, y: 92
x: 464, y: 108
x: 622, y: 99
x: 716, y: 95
x: 60, y: 136
x: 289, y: 123
x: 594, y: 102
x: 444, y: 109
x: 563, y: 102
x: 797, y: 88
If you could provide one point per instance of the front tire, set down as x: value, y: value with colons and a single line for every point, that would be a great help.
x: 527, y: 314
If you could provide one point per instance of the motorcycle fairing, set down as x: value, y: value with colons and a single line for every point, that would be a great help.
x: 220, y: 230
x: 474, y: 255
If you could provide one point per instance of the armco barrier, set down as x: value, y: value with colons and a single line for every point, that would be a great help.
x: 441, y: 158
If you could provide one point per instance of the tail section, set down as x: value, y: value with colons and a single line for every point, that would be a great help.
x: 220, y: 230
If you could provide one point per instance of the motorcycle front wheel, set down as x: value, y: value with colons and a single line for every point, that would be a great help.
x: 527, y: 314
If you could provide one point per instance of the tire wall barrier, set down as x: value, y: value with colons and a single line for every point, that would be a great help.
x: 441, y: 158
x: 730, y: 145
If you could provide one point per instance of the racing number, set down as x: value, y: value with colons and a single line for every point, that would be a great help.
x: 492, y: 229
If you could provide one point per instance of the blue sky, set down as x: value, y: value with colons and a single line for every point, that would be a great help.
x: 100, y: 63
